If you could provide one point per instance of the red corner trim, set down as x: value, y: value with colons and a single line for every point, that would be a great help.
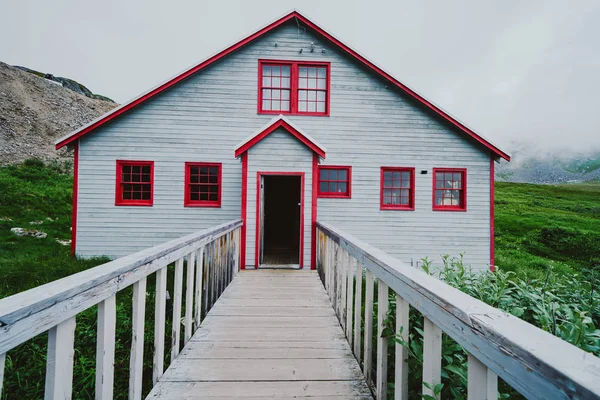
x: 75, y: 193
x: 244, y: 209
x: 270, y: 129
x: 118, y: 111
x: 492, y: 194
x: 313, y: 215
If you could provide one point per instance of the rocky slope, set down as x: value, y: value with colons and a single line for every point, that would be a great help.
x: 35, y: 111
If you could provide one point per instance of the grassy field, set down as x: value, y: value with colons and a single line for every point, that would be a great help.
x: 537, y: 227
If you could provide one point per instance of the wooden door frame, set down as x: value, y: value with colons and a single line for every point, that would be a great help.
x: 259, y: 176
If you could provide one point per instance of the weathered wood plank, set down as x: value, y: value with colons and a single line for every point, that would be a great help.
x: 198, y: 286
x: 159, y: 324
x: 275, y: 311
x: 189, y: 296
x: 177, y: 297
x: 401, y: 356
x: 350, y: 297
x: 59, y: 363
x: 263, y: 370
x: 2, y: 363
x: 219, y: 353
x: 261, y: 390
x: 382, y: 342
x: 136, y: 360
x: 357, y: 311
x: 267, y: 322
x: 218, y: 334
x: 105, y: 348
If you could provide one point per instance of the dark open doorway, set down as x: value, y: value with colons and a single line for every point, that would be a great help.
x: 281, y: 220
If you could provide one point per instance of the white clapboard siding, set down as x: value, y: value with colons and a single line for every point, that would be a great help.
x: 59, y: 363
x: 136, y: 361
x: 204, y: 117
x: 105, y: 348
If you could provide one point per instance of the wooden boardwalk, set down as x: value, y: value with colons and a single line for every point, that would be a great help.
x: 272, y: 334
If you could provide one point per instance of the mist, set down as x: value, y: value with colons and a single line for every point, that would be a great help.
x: 515, y: 72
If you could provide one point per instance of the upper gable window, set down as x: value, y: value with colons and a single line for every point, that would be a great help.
x: 300, y: 88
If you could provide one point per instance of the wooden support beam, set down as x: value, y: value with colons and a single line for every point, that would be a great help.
x: 198, y: 286
x: 189, y: 297
x: 177, y: 297
x: 368, y: 341
x: 432, y: 355
x: 350, y: 297
x: 357, y: 310
x: 482, y: 383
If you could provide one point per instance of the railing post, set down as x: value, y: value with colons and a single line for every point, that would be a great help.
x: 159, y: 324
x: 343, y: 265
x: 199, y: 275
x: 177, y: 295
x: 59, y: 363
x: 382, y: 342
x: 2, y: 362
x: 136, y: 361
x: 482, y: 383
x: 432, y: 355
x: 350, y: 298
x: 189, y: 297
x: 402, y: 329
x: 357, y: 309
x: 105, y: 348
x: 368, y: 353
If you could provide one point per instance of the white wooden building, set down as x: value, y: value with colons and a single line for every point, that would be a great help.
x: 284, y: 125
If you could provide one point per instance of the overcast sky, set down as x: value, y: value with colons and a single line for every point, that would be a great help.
x: 509, y: 69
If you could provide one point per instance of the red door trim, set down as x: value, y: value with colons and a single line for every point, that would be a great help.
x: 313, y: 215
x: 492, y: 178
x: 244, y: 210
x: 257, y: 217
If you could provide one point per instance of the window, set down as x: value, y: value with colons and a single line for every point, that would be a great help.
x: 293, y: 88
x: 335, y: 181
x: 397, y: 188
x: 449, y: 189
x: 135, y: 183
x: 202, y: 184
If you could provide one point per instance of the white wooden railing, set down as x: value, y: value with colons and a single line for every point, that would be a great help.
x: 535, y: 363
x: 212, y: 257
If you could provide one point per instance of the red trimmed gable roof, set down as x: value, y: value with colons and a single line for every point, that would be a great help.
x: 299, y: 17
x: 279, y: 122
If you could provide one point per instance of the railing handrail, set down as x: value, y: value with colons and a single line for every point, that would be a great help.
x: 27, y: 314
x: 536, y: 363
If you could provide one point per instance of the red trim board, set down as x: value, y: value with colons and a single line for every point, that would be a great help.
x: 75, y: 195
x: 259, y: 174
x: 299, y: 19
x: 492, y: 179
x: 279, y: 123
x: 313, y: 212
x: 244, y: 210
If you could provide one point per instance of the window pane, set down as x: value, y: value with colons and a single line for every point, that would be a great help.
x: 312, y: 107
x: 302, y: 95
x: 342, y: 175
x: 333, y: 174
x: 342, y: 187
x: 321, y: 107
x: 321, y: 96
x: 266, y: 93
x: 322, y: 73
x: 275, y: 94
x: 321, y: 84
x: 323, y: 186
x: 276, y: 82
x: 266, y: 104
x: 266, y: 81
x: 266, y: 70
x: 303, y: 71
x: 285, y: 106
x: 312, y: 96
x: 302, y: 83
x: 275, y: 105
x: 333, y: 187
x: 324, y: 174
x: 285, y: 71
x: 302, y: 106
x: 312, y: 83
x: 285, y: 82
x: 146, y: 169
x: 126, y: 169
x: 285, y: 94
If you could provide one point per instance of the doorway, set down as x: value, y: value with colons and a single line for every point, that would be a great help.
x: 280, y: 215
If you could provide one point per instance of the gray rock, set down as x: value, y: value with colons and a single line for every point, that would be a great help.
x: 29, y: 232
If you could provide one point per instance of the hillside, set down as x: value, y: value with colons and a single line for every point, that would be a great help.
x: 35, y: 111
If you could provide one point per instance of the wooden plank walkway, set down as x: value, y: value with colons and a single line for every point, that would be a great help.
x: 272, y: 334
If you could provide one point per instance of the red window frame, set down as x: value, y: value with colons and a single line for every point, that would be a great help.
x: 411, y: 194
x: 295, y: 86
x: 462, y: 206
x: 348, y: 181
x: 187, y: 200
x: 119, y: 201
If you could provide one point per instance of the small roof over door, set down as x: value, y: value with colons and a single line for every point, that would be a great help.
x: 280, y: 122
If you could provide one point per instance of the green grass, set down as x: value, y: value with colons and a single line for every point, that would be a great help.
x: 543, y: 225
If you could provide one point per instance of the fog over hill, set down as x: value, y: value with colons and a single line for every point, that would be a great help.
x: 547, y: 164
